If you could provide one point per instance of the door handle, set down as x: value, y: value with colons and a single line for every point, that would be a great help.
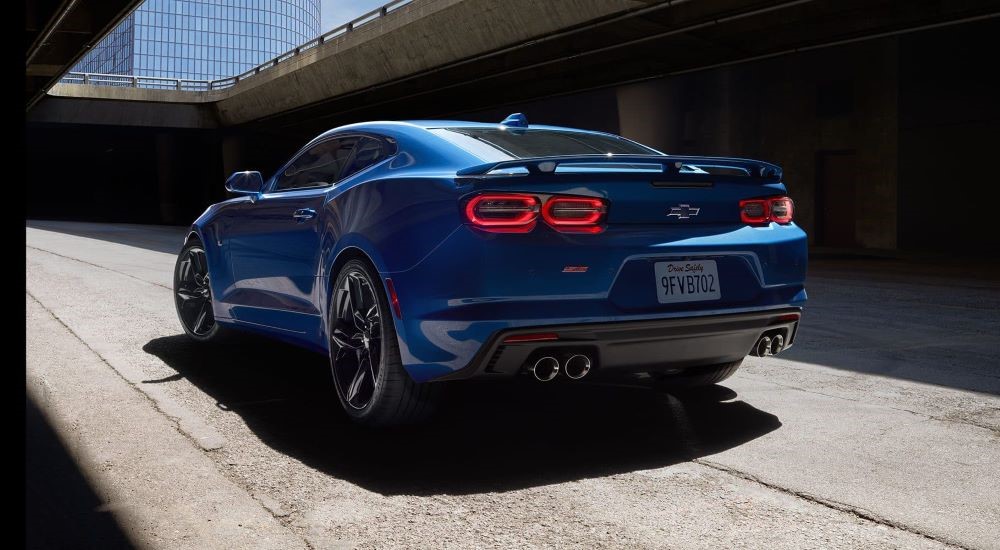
x: 303, y: 214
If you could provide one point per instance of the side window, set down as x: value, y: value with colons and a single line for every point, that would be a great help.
x: 319, y: 166
x: 368, y: 152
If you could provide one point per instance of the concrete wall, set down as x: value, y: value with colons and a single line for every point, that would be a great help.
x: 913, y: 114
x: 949, y: 141
x: 776, y: 110
x: 594, y: 109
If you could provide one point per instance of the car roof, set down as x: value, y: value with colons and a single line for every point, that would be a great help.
x: 430, y: 124
x: 404, y: 125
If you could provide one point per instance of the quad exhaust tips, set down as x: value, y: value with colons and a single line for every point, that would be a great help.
x: 777, y: 344
x: 577, y: 366
x: 769, y: 345
x: 763, y: 347
x: 547, y: 368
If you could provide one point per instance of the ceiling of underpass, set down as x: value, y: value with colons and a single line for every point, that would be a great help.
x: 57, y: 33
x: 660, y: 40
x: 645, y: 41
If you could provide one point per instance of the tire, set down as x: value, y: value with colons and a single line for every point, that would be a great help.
x: 193, y: 294
x: 375, y: 394
x: 699, y: 376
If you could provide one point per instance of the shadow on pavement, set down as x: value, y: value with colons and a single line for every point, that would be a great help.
x: 486, y: 436
x: 61, y: 509
x: 158, y: 238
x: 903, y: 321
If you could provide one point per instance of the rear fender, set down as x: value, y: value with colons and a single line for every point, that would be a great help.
x: 352, y: 244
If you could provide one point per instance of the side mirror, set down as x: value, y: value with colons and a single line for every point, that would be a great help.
x: 245, y: 183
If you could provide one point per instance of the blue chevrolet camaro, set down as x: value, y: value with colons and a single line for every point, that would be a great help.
x: 418, y: 252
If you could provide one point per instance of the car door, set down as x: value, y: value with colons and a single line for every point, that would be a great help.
x: 275, y: 241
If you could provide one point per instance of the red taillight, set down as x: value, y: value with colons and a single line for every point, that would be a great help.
x: 518, y: 212
x: 577, y: 214
x: 781, y: 210
x: 754, y: 211
x: 764, y: 211
x: 503, y: 212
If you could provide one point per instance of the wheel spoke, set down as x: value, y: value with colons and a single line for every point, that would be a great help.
x: 374, y: 322
x: 359, y: 321
x: 189, y: 296
x: 341, y: 353
x: 345, y: 336
x: 342, y: 303
x: 355, y: 386
x: 344, y: 332
x: 185, y: 270
x: 357, y: 295
x: 203, y: 314
x: 198, y: 261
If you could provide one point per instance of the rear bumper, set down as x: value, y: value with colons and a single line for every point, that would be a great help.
x: 636, y: 346
x: 473, y: 286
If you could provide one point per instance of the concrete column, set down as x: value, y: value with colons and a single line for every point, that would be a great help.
x: 645, y: 114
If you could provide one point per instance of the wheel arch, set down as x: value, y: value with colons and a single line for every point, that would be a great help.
x: 193, y: 235
x: 343, y: 255
x: 347, y: 251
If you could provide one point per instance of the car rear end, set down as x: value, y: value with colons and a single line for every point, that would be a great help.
x: 576, y: 264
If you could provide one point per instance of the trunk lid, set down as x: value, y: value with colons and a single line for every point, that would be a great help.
x: 640, y: 189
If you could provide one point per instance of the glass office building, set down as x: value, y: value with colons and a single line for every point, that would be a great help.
x: 202, y: 39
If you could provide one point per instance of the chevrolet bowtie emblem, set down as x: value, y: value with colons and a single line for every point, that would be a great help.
x: 683, y: 211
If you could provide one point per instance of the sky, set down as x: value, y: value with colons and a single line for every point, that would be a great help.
x: 334, y: 13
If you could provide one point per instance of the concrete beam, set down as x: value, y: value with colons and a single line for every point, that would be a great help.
x: 429, y: 34
x: 407, y: 41
x: 58, y: 34
x: 70, y: 110
x: 123, y: 93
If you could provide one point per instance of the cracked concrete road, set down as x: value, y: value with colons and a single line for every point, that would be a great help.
x: 880, y: 428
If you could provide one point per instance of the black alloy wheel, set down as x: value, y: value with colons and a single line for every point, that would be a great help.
x: 356, y: 339
x: 192, y: 294
x: 372, y: 385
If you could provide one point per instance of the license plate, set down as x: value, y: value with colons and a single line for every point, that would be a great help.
x: 688, y: 281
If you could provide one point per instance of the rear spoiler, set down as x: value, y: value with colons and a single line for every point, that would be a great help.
x: 668, y: 165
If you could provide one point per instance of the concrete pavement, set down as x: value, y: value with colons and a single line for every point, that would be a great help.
x: 878, y: 429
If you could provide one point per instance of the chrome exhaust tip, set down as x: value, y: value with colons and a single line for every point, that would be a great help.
x: 546, y: 368
x: 777, y: 344
x: 577, y: 366
x: 763, y: 347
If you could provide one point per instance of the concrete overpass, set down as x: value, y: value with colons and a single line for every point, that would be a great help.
x: 852, y: 97
x: 57, y: 33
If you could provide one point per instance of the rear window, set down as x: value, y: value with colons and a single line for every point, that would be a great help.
x: 498, y: 144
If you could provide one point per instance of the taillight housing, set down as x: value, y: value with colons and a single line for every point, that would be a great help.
x: 781, y: 210
x: 766, y: 210
x: 575, y: 214
x: 518, y: 212
x: 503, y: 212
